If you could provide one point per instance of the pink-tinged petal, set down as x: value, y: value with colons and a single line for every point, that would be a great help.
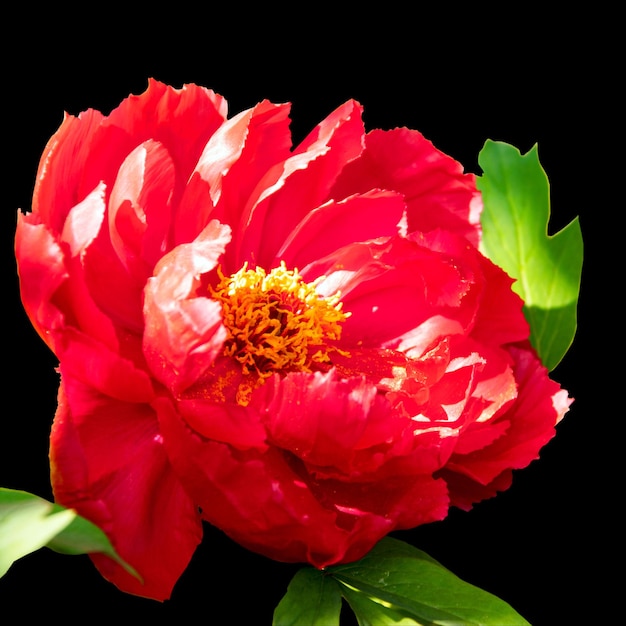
x: 418, y: 340
x: 437, y: 192
x: 302, y: 185
x: 496, y: 384
x: 41, y: 268
x: 389, y: 288
x: 466, y: 396
x: 82, y: 226
x: 347, y: 268
x: 84, y: 221
x: 236, y: 157
x: 333, y: 225
x: 539, y: 406
x: 183, y: 330
x: 182, y: 120
x: 267, y: 503
x: 61, y: 169
x: 55, y: 294
x: 108, y: 462
x: 140, y: 209
x: 237, y: 144
x: 450, y: 396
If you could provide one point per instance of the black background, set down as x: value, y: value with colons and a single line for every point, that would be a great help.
x: 548, y: 544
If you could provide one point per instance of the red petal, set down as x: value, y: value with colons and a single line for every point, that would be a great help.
x: 183, y: 330
x: 233, y: 161
x: 343, y: 427
x: 41, y: 271
x: 333, y: 225
x: 61, y: 169
x: 108, y: 463
x: 140, y: 209
x: 319, y: 417
x: 181, y: 120
x: 237, y: 425
x: 437, y: 192
x: 539, y: 406
x: 103, y: 368
x: 465, y: 492
x: 500, y: 318
x: 389, y: 288
x: 303, y: 184
x: 77, y: 296
x: 267, y: 503
x: 57, y: 299
x: 88, y: 149
x: 111, y: 287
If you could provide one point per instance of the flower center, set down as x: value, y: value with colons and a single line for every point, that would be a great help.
x: 276, y: 322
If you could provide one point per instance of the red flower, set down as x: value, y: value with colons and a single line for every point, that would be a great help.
x: 302, y: 346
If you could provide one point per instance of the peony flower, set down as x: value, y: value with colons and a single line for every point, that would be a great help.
x: 302, y: 346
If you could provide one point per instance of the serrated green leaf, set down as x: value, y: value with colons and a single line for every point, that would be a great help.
x: 413, y: 585
x: 312, y: 599
x: 547, y: 268
x: 28, y: 522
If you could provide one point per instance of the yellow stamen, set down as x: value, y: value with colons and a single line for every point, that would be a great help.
x: 277, y: 322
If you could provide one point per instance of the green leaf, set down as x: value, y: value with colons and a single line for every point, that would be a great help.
x: 547, y: 268
x: 28, y: 522
x: 312, y: 599
x: 370, y: 612
x: 410, y: 585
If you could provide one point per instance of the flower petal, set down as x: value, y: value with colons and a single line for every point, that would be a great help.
x: 231, y: 423
x: 437, y: 192
x: 500, y: 319
x: 241, y: 152
x: 266, y: 502
x: 183, y: 330
x: 104, y: 368
x: 42, y: 270
x: 140, y: 208
x: 111, y: 287
x: 390, y: 287
x: 181, y: 120
x: 84, y: 220
x: 321, y: 418
x: 539, y: 406
x: 333, y: 225
x: 61, y: 169
x: 88, y: 149
x: 108, y: 463
x: 302, y: 185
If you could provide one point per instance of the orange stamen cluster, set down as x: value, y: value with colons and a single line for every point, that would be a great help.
x: 277, y: 322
